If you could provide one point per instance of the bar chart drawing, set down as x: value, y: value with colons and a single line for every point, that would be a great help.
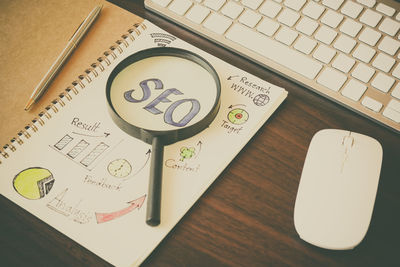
x: 63, y: 142
x: 94, y: 154
x: 77, y: 149
x: 83, y: 151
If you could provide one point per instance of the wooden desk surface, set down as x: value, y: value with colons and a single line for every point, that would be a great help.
x: 246, y: 217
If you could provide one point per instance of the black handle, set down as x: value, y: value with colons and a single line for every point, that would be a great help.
x: 155, y: 183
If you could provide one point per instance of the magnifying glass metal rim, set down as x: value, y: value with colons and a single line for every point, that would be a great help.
x: 168, y: 136
x: 160, y: 138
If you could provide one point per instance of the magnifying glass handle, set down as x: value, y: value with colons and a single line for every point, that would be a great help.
x: 155, y: 183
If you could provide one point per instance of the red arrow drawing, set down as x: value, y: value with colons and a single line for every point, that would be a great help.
x: 105, y: 217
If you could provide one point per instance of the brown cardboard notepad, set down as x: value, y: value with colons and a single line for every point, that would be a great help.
x: 32, y: 34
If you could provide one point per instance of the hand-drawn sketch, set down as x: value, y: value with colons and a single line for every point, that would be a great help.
x: 105, y: 217
x: 187, y: 160
x: 238, y: 116
x: 91, y: 135
x: 145, y: 85
x: 103, y: 183
x: 82, y: 151
x: 119, y: 168
x: 97, y: 151
x: 70, y: 207
x: 77, y: 149
x: 146, y: 160
x: 33, y: 183
x: 63, y: 142
x: 199, y: 144
x: 261, y: 99
x: 162, y: 39
x: 187, y: 153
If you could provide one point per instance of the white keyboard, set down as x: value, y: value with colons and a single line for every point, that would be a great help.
x: 345, y: 50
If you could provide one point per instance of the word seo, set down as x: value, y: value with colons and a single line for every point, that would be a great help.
x: 163, y: 97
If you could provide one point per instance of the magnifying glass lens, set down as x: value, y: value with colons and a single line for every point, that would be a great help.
x: 163, y: 93
x: 161, y: 96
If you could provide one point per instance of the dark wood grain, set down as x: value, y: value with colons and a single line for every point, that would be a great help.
x: 246, y: 217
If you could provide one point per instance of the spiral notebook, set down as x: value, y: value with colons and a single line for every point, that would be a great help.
x: 78, y: 172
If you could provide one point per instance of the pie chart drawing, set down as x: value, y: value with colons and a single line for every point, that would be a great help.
x: 33, y: 183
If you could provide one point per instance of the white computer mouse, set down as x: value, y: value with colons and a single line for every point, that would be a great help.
x: 337, y: 189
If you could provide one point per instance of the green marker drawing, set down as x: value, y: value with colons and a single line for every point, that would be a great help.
x: 187, y: 153
x: 238, y: 116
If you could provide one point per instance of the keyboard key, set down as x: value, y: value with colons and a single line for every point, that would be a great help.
x: 369, y: 36
x: 249, y: 18
x: 392, y: 110
x: 162, y: 3
x: 214, y: 4
x: 217, y: 23
x: 363, y: 72
x: 334, y: 4
x: 396, y: 91
x: 387, y: 10
x: 295, y: 4
x: 180, y: 6
x: 325, y: 34
x: 389, y: 45
x: 197, y: 14
x: 364, y: 53
x: 253, y: 4
x: 274, y: 51
x: 383, y: 62
x: 270, y: 9
x: 371, y: 103
x: 313, y: 10
x: 351, y: 9
x: 368, y: 3
x: 331, y: 18
x: 268, y: 26
x: 305, y: 44
x: 350, y: 27
x: 324, y: 53
x: 232, y: 10
x: 286, y: 36
x: 394, y: 104
x: 354, y: 90
x: 389, y: 26
x: 370, y: 18
x: 382, y: 82
x: 343, y: 63
x: 332, y: 79
x: 288, y: 17
x: 396, y: 71
x: 344, y: 44
x: 307, y: 26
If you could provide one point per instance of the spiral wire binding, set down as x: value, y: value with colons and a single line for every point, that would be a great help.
x: 76, y: 86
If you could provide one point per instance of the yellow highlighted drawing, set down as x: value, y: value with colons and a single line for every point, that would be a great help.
x: 33, y: 183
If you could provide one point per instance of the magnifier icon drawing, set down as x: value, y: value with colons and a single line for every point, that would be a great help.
x: 161, y: 96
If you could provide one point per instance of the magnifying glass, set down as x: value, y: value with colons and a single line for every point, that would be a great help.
x: 161, y: 96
